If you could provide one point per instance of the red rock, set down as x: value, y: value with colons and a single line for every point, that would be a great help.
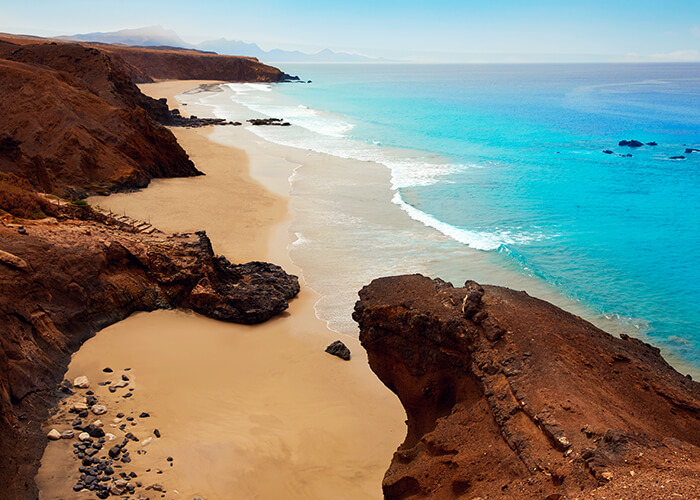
x: 496, y: 409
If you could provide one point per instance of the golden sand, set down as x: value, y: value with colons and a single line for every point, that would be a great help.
x: 244, y: 411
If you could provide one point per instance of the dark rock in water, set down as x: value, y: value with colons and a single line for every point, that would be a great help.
x: 268, y: 121
x: 339, y: 349
x: 628, y: 155
x: 632, y: 144
x: 608, y: 151
x: 652, y: 144
x: 691, y: 150
x: 677, y: 157
x: 107, y: 370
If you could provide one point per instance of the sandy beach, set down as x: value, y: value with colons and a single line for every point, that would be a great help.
x: 243, y: 411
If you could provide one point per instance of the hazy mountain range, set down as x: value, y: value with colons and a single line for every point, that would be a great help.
x: 155, y: 36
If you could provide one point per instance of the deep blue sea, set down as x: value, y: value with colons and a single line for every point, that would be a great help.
x: 512, y: 164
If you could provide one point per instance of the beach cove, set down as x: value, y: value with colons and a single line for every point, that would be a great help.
x: 243, y: 411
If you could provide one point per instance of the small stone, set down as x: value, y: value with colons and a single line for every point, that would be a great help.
x: 130, y: 418
x: 110, y: 436
x: 607, y: 476
x: 339, y: 349
x: 114, y: 451
x: 83, y: 436
x: 80, y: 407
x: 99, y: 409
x: 112, y: 388
x: 127, y: 395
x: 83, y: 414
x: 107, y: 370
x: 144, y: 415
x: 68, y: 434
x: 157, y: 487
x: 89, y: 393
x: 102, y: 494
x: 129, y: 435
x: 146, y: 441
x: 54, y: 435
x: 125, y: 378
x: 120, y: 384
x: 81, y: 382
x: 156, y: 432
x: 98, y: 423
x: 120, y: 415
x: 78, y: 487
x: 169, y: 459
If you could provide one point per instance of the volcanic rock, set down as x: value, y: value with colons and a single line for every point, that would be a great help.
x: 632, y: 144
x: 496, y: 407
x: 339, y: 349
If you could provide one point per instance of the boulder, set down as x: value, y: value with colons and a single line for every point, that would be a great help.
x: 339, y: 349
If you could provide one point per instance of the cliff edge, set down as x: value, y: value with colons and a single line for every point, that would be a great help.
x: 508, y: 396
x: 65, y: 278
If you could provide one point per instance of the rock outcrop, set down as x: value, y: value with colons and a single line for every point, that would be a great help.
x: 508, y: 396
x: 63, y: 280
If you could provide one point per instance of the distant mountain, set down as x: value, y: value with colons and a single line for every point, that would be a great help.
x: 157, y: 36
x: 151, y: 36
x: 236, y: 47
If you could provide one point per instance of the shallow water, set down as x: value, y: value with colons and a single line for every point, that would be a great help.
x: 502, y: 166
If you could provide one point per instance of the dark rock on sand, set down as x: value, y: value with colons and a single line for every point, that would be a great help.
x: 498, y: 385
x: 339, y: 349
x: 107, y: 370
x: 632, y: 144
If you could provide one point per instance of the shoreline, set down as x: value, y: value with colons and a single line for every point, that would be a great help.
x: 250, y: 411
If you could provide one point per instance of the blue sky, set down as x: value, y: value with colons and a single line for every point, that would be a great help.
x: 421, y: 30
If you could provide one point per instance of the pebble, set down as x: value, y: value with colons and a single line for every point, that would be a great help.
x: 98, y: 423
x: 107, y: 370
x: 54, y: 435
x: 112, y: 388
x: 125, y: 378
x: 68, y: 434
x: 83, y: 436
x: 99, y: 409
x: 130, y: 418
x: 127, y: 395
x: 156, y: 432
x: 120, y: 415
x: 116, y: 420
x: 81, y: 382
x: 80, y: 407
x: 114, y: 451
x: 169, y: 459
x: 144, y: 415
x: 146, y: 441
x: 120, y: 384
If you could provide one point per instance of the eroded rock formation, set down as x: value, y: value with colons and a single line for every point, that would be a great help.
x: 64, y: 280
x: 508, y: 396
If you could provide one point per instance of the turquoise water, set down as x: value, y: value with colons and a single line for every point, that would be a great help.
x: 512, y: 164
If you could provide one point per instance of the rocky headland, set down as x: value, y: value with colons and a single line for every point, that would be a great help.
x: 74, y: 124
x: 64, y: 278
x: 508, y: 396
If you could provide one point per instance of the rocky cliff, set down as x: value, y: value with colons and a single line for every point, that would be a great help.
x: 74, y: 124
x: 508, y: 396
x: 63, y: 280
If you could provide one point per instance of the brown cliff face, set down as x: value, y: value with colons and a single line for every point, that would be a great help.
x: 74, y: 124
x: 183, y: 64
x: 508, y: 396
x: 63, y: 281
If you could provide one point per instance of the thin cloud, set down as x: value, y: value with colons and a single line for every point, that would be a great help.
x: 695, y: 31
x: 677, y: 56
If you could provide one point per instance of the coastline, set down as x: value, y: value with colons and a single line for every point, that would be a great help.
x: 251, y: 411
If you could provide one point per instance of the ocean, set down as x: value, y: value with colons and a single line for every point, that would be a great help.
x: 498, y: 173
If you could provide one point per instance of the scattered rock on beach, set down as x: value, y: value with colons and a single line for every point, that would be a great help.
x: 99, y: 409
x: 339, y: 349
x: 68, y: 434
x: 107, y: 370
x: 81, y: 382
x: 54, y: 435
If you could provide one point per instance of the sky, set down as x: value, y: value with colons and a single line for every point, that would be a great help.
x: 440, y: 30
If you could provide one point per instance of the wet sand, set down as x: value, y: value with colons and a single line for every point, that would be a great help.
x: 244, y: 411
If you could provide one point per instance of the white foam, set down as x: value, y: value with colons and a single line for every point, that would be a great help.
x: 326, y: 133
